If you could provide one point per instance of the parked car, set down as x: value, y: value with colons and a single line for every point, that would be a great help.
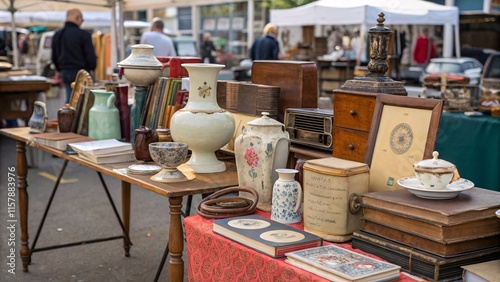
x: 490, y: 82
x: 465, y: 67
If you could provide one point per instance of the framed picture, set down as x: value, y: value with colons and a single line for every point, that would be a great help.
x: 403, y: 131
x: 82, y: 79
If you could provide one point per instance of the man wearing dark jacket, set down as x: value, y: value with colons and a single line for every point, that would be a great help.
x: 266, y: 47
x: 72, y: 50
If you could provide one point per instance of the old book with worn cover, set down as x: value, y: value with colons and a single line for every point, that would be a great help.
x: 341, y: 265
x: 438, y: 247
x: 468, y: 206
x: 448, y: 233
x: 420, y: 263
x: 264, y: 235
x: 58, y: 140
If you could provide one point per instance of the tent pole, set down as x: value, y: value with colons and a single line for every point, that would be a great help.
x: 457, y: 41
x: 15, y: 50
x: 121, y: 33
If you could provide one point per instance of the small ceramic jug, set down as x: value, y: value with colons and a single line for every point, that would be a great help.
x: 287, y: 197
x: 104, y: 118
x: 65, y: 116
x: 38, y: 120
x: 143, y: 137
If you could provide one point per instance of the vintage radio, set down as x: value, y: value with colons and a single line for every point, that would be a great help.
x: 310, y: 126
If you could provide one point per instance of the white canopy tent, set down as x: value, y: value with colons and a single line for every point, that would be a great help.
x: 365, y: 12
x: 46, y: 9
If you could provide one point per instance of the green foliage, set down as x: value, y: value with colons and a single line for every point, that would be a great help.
x: 285, y: 4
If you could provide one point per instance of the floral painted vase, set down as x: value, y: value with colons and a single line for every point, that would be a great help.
x: 287, y: 197
x: 261, y: 148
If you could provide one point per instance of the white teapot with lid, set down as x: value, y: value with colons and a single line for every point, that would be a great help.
x: 434, y: 173
x: 262, y: 147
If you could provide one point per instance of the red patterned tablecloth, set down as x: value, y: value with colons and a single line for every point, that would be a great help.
x: 212, y: 257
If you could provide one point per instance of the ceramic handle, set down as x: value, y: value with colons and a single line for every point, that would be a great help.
x: 299, y: 200
x: 111, y: 101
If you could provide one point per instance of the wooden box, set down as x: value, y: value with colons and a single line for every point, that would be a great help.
x: 332, y: 189
x: 297, y: 80
x: 353, y: 112
x: 255, y: 98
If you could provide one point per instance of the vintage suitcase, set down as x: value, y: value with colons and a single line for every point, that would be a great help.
x: 298, y: 81
x: 332, y: 189
x: 420, y: 263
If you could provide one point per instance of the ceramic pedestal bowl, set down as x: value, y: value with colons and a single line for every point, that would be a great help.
x: 169, y: 155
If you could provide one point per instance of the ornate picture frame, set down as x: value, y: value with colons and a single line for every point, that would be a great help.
x: 403, y: 131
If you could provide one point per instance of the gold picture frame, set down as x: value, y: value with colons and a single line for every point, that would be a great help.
x: 403, y: 131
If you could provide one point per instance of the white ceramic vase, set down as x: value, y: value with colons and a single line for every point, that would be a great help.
x: 202, y: 124
x: 262, y: 147
x: 287, y: 197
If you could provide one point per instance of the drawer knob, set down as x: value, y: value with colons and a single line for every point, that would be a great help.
x: 352, y: 112
x: 351, y: 147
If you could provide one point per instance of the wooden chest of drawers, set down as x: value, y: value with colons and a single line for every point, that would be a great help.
x: 353, y: 112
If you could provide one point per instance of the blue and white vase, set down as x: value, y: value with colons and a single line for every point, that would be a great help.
x: 287, y: 197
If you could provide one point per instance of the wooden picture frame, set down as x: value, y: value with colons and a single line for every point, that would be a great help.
x: 403, y: 131
x: 82, y: 79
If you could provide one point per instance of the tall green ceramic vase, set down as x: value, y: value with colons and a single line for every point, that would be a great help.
x: 104, y: 117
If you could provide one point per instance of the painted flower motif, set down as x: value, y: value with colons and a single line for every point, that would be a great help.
x: 251, y: 157
x: 204, y: 90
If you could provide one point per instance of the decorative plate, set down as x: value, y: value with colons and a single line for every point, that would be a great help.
x: 143, y: 169
x: 451, y: 191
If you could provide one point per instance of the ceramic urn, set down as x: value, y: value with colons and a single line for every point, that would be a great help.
x: 261, y: 148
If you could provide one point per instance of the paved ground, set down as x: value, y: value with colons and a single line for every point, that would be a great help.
x: 81, y: 211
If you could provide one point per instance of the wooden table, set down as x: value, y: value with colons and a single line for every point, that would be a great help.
x: 204, y: 183
x: 27, y: 90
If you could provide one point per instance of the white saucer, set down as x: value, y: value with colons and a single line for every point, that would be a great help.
x: 451, y: 191
x: 143, y: 169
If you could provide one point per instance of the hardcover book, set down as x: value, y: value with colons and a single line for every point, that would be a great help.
x: 341, y: 265
x: 265, y: 235
x: 59, y: 141
x: 482, y: 272
x: 482, y: 227
x: 420, y: 263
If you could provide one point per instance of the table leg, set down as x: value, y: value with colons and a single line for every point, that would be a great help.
x: 126, y: 215
x: 176, y: 240
x: 22, y: 185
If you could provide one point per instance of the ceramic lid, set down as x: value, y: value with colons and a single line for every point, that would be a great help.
x: 142, y: 56
x: 434, y: 164
x: 265, y: 121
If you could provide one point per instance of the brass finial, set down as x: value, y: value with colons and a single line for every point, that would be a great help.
x: 379, y: 43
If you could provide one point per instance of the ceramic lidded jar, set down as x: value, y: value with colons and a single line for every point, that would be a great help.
x: 141, y: 67
x: 434, y: 173
x: 261, y: 148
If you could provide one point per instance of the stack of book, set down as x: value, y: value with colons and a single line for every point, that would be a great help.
x: 338, y: 264
x: 58, y: 140
x: 104, y: 151
x: 430, y: 238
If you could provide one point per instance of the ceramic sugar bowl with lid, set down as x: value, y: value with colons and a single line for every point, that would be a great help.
x: 434, y: 173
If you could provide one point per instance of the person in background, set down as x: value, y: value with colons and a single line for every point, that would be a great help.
x: 72, y: 50
x: 207, y: 49
x: 162, y: 43
x: 424, y: 49
x: 266, y: 47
